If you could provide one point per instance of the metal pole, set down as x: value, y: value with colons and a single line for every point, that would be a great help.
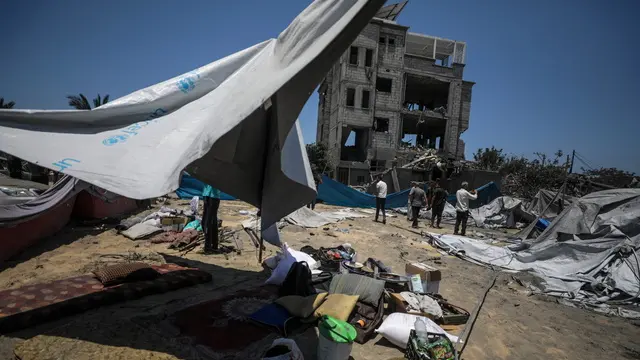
x: 573, y: 156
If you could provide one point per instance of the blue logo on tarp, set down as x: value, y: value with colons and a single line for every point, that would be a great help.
x: 65, y: 163
x: 133, y: 129
x: 115, y: 139
x: 188, y: 82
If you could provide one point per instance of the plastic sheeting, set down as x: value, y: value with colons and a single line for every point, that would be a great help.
x: 232, y: 123
x: 308, y: 218
x: 543, y: 200
x: 504, y: 211
x: 190, y: 187
x: 64, y: 189
x: 334, y: 193
x: 588, y: 253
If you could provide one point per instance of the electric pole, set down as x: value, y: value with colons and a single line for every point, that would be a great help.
x: 573, y: 156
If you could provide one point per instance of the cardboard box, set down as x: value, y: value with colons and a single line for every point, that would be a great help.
x: 430, y: 276
x: 174, y: 223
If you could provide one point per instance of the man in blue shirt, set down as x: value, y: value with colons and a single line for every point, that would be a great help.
x: 211, y: 197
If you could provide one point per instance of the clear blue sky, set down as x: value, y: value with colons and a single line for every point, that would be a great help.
x: 550, y: 74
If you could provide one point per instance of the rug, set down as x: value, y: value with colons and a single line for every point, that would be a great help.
x: 224, y: 325
x: 35, y: 304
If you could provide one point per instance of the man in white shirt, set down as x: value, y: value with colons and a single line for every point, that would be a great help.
x: 462, y: 207
x: 381, y: 199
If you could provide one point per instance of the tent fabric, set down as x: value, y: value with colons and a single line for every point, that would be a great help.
x: 190, y: 187
x: 66, y: 188
x: 543, y: 198
x: 232, y: 123
x: 308, y: 218
x: 335, y: 193
x: 592, y: 244
x: 503, y: 211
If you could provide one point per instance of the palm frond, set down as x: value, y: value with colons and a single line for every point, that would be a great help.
x: 85, y: 102
x: 8, y: 105
x: 96, y: 102
x: 79, y: 102
x: 106, y: 99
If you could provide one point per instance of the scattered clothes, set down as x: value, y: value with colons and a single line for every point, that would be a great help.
x: 140, y: 230
x: 283, y: 349
x: 422, y: 304
x: 127, y: 223
x: 194, y: 205
x: 195, y: 225
x: 177, y: 239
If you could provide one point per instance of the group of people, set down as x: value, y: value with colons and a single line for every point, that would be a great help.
x: 433, y: 199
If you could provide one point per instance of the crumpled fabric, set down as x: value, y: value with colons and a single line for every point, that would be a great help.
x: 422, y: 303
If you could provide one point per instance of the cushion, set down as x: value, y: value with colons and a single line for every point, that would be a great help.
x: 369, y: 290
x: 301, y: 306
x: 338, y: 306
x: 121, y: 273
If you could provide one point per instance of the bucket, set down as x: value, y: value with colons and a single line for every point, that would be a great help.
x: 335, y: 340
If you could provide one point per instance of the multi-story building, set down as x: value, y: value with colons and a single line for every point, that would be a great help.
x: 392, y: 94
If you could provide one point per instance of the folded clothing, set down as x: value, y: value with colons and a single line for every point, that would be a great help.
x: 422, y: 303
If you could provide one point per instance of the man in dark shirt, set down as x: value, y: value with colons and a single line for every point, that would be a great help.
x: 436, y: 203
x: 418, y: 200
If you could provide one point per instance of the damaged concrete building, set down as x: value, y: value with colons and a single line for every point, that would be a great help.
x: 391, y: 95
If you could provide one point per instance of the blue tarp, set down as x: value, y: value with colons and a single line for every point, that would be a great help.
x: 334, y: 193
x: 190, y: 187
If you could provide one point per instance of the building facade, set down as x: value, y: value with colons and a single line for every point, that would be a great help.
x: 391, y: 95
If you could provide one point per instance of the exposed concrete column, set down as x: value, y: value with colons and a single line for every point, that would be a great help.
x: 453, y: 123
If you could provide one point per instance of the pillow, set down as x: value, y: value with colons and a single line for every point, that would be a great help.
x: 301, y: 306
x: 121, y: 273
x: 369, y: 290
x: 338, y: 306
x: 282, y: 269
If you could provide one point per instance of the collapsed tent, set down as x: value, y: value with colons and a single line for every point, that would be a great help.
x: 548, y: 204
x: 308, y: 218
x: 588, y: 253
x: 504, y: 211
x: 215, y: 121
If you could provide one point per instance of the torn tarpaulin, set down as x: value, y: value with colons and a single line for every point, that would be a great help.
x: 213, y: 120
x: 588, y: 254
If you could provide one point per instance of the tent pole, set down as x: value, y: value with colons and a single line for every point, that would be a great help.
x: 260, y: 251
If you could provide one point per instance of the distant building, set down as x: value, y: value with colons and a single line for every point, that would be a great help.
x: 391, y: 85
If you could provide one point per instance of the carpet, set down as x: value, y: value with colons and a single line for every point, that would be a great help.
x: 31, y: 305
x: 224, y: 325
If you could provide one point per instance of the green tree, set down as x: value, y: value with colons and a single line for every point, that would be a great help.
x: 319, y: 161
x: 80, y: 102
x: 8, y: 105
x: 489, y: 158
x: 610, y: 176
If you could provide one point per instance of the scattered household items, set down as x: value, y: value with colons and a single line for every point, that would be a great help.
x: 429, y: 277
x: 140, y: 231
x: 331, y: 259
x: 421, y: 304
x: 587, y: 255
x: 424, y: 345
x: 282, y: 262
x: 283, y: 68
x: 397, y: 328
x: 283, y: 349
x: 335, y: 339
x: 38, y: 303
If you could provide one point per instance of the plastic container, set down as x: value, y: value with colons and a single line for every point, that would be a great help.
x: 335, y: 340
x: 421, y: 330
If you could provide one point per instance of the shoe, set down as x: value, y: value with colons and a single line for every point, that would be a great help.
x: 463, y: 234
x: 455, y: 233
x: 384, y: 221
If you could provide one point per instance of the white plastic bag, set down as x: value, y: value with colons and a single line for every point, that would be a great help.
x: 300, y: 256
x: 293, y: 354
x: 282, y: 269
x: 397, y: 327
x: 194, y: 205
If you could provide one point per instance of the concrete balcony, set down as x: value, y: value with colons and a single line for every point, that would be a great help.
x: 424, y: 66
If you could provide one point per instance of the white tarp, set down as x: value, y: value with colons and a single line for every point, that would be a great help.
x: 504, y: 211
x: 231, y: 123
x: 308, y: 218
x: 589, y: 252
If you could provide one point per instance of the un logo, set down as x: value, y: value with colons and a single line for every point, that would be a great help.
x: 110, y: 141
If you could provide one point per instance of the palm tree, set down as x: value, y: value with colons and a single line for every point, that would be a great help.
x: 81, y: 102
x: 8, y: 105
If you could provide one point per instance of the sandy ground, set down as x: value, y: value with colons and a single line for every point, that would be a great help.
x: 511, y: 325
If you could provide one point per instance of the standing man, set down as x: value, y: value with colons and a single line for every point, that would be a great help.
x: 318, y: 180
x: 381, y: 199
x: 418, y: 200
x: 462, y: 207
x: 437, y: 202
x: 211, y: 197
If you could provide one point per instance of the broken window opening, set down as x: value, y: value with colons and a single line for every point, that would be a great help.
x: 368, y: 58
x: 382, y: 40
x: 377, y: 166
x: 426, y: 93
x: 381, y: 125
x: 365, y: 99
x: 360, y: 179
x: 353, y: 56
x: 408, y: 140
x: 392, y: 42
x: 351, y: 97
x: 384, y: 84
x: 354, y: 144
